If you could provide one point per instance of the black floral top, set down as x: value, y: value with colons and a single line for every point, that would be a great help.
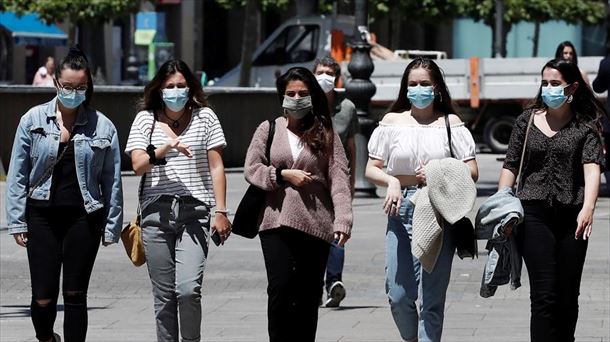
x: 552, y: 170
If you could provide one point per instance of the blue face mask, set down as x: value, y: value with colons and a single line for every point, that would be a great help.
x: 72, y: 100
x: 554, y: 96
x: 175, y: 98
x: 421, y: 96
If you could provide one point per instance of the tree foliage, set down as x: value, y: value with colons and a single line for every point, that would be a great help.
x: 265, y: 4
x: 77, y: 11
x: 418, y: 10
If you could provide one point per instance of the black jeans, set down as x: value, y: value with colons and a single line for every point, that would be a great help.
x: 295, y: 263
x: 554, y: 260
x: 57, y: 237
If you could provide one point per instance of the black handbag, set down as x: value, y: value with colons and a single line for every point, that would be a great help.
x: 248, y: 215
x: 463, y: 230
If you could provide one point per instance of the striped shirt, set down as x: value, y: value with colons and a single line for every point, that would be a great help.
x: 181, y: 175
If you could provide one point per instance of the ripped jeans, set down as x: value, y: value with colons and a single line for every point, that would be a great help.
x: 404, y: 275
x: 68, y: 238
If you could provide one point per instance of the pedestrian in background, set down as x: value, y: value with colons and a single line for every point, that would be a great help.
x: 558, y: 191
x: 308, y: 203
x: 412, y: 133
x: 566, y: 50
x: 345, y: 123
x: 64, y: 196
x: 600, y: 85
x: 176, y: 140
x: 44, y: 74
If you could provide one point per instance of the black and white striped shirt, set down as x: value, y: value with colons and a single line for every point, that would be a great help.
x: 181, y: 175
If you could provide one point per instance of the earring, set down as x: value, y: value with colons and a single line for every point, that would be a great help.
x: 570, y: 98
x: 440, y: 97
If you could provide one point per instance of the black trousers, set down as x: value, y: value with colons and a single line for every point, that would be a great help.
x: 57, y: 237
x: 554, y: 260
x: 295, y: 263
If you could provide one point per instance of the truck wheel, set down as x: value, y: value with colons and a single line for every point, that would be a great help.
x: 497, y: 133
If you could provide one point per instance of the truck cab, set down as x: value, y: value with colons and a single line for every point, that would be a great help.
x: 297, y: 42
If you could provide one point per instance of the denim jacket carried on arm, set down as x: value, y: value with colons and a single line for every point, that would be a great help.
x: 98, y: 165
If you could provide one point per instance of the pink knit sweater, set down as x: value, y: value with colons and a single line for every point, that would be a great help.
x: 319, y: 208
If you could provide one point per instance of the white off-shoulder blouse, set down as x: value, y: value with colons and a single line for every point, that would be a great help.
x: 405, y: 147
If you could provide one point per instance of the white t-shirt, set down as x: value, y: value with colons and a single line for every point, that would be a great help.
x: 181, y: 175
x: 296, y: 145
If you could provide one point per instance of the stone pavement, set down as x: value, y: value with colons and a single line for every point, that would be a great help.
x: 234, y: 299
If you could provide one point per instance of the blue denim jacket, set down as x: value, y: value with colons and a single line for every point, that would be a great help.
x: 98, y: 165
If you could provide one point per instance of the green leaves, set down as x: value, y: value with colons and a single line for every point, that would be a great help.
x: 75, y: 10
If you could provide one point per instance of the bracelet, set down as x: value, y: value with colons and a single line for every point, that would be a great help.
x: 152, y: 157
x: 222, y: 211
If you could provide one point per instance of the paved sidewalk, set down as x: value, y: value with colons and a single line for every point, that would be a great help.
x: 234, y: 300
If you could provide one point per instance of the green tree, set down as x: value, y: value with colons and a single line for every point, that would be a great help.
x: 76, y: 11
x: 537, y: 11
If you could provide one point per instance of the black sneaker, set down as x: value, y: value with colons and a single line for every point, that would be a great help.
x: 335, y: 295
x: 56, y: 337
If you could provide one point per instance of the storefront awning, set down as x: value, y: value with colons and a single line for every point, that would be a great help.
x: 28, y: 29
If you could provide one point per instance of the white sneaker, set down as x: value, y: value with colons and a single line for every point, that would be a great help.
x: 335, y: 295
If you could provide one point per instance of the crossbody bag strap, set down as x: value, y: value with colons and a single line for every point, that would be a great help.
x: 527, y: 131
x: 49, y: 169
x: 143, y: 178
x: 270, y: 140
x: 449, y: 135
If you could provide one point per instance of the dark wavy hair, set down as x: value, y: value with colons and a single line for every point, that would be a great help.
x: 317, y: 127
x: 153, y: 99
x: 442, y: 99
x: 77, y: 60
x: 561, y: 46
x: 584, y: 104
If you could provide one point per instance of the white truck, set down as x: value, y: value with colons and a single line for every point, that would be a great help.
x: 491, y: 92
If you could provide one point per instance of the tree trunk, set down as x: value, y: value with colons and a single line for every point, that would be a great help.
x: 250, y: 36
x: 536, y: 38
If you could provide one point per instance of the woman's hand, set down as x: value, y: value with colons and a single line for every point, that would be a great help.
x: 341, y: 238
x: 21, y: 239
x: 296, y: 177
x: 182, y: 148
x: 584, y: 223
x: 222, y: 225
x: 420, y: 174
x: 393, y: 197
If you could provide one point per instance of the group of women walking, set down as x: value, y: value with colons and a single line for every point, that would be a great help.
x: 64, y: 196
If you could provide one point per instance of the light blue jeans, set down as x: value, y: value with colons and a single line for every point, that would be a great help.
x: 175, y: 233
x: 404, y: 275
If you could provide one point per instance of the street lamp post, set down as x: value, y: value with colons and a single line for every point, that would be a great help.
x: 360, y: 90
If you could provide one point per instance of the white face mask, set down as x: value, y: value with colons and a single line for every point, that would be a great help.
x: 326, y: 82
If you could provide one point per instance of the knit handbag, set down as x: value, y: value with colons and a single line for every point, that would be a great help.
x: 248, y: 215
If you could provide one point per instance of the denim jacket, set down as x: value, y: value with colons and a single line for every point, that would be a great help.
x: 504, y: 261
x: 98, y: 165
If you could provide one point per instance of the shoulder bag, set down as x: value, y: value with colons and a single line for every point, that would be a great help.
x: 248, y: 215
x: 132, y: 233
x: 465, y: 240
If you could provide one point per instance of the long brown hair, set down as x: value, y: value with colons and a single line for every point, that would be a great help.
x: 316, y: 126
x: 442, y: 99
x: 584, y: 104
x: 152, y: 99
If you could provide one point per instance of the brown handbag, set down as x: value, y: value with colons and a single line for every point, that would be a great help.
x: 132, y: 233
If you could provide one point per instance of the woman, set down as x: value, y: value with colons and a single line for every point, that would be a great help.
x: 559, y: 188
x: 176, y: 142
x: 308, y: 203
x: 64, y: 196
x: 566, y: 50
x: 412, y: 133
